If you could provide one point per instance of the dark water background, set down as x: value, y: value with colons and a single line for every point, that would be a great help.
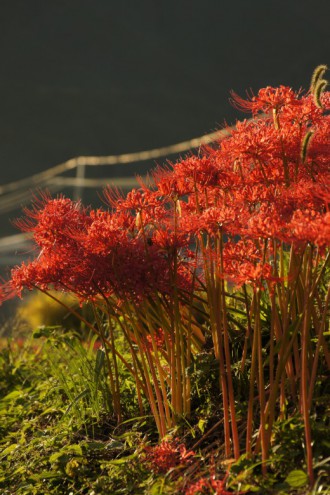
x: 113, y: 76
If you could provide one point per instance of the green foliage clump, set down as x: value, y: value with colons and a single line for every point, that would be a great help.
x: 58, y: 432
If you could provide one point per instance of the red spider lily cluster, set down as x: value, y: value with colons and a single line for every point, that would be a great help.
x: 91, y: 252
x: 211, y: 485
x: 208, y: 486
x: 167, y: 455
x: 158, y: 340
x: 256, y: 184
x: 250, y: 213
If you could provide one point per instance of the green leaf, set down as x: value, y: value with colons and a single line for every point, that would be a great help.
x: 158, y: 487
x: 8, y: 450
x: 13, y: 395
x: 100, y: 356
x: 201, y: 425
x: 249, y: 488
x: 94, y: 445
x: 83, y: 394
x: 57, y: 457
x: 51, y: 410
x: 91, y: 345
x: 74, y: 449
x: 122, y: 460
x: 64, y: 454
x: 20, y: 470
x: 43, y: 475
x: 297, y: 478
x: 45, y: 331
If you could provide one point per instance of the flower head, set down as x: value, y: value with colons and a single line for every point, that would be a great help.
x: 167, y: 455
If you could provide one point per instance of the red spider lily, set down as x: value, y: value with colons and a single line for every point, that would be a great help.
x: 168, y: 455
x: 268, y: 99
x: 225, y: 219
x: 251, y: 141
x: 168, y: 185
x: 82, y: 254
x: 243, y: 264
x: 304, y: 113
x: 319, y: 150
x: 209, y: 486
x: 309, y: 226
x: 158, y: 338
x: 235, y: 212
x: 199, y: 171
x: 201, y: 487
x: 168, y: 240
x: 143, y: 203
x: 54, y: 221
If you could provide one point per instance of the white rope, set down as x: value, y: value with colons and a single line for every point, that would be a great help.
x: 18, y: 198
x: 38, y: 180
x: 13, y: 241
x: 20, y: 190
x: 83, y: 182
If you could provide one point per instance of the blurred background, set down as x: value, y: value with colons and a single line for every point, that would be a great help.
x: 106, y: 77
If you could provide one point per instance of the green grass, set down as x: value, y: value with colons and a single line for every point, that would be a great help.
x: 58, y: 434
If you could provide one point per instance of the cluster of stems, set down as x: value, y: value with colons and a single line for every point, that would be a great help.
x: 230, y: 245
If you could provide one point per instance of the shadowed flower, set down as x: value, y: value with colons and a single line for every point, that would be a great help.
x: 209, y: 486
x: 158, y: 338
x: 167, y: 455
